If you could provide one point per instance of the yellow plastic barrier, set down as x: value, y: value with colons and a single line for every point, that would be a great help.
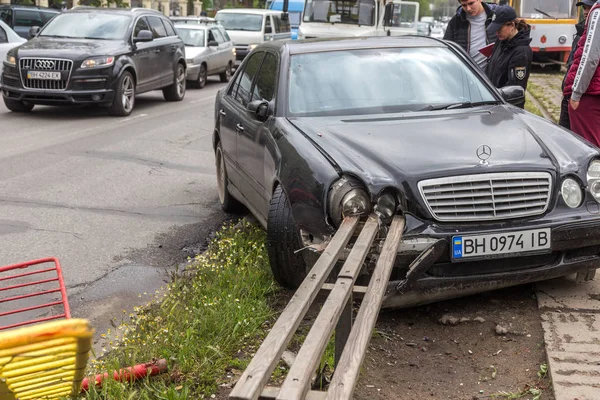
x: 44, y: 361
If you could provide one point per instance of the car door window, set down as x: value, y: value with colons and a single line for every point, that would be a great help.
x: 47, y: 16
x: 5, y: 16
x: 140, y: 25
x: 211, y: 36
x: 169, y: 28
x: 282, y: 26
x: 225, y: 35
x: 264, y: 88
x: 28, y: 18
x: 244, y: 84
x: 268, y: 28
x: 157, y: 28
x: 3, y: 36
x: 220, y: 39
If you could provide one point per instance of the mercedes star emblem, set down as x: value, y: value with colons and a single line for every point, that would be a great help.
x: 44, y: 64
x: 484, y: 152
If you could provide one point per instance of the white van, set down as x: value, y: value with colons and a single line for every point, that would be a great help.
x: 249, y: 27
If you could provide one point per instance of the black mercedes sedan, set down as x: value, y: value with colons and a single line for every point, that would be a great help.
x: 309, y: 132
x: 102, y: 56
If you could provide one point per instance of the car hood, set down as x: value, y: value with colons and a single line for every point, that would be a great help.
x: 70, y: 48
x: 244, y: 38
x: 396, y: 149
x: 193, y: 52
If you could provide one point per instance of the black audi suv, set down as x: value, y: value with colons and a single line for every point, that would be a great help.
x: 100, y: 56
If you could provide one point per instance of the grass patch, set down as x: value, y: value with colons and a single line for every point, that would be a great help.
x: 210, y: 321
x: 531, y: 107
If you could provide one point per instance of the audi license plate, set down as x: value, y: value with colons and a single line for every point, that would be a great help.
x: 54, y: 76
x: 498, y: 244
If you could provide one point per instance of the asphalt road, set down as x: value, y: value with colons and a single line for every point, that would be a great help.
x: 119, y: 201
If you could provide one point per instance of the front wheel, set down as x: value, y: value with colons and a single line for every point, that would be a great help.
x: 283, y: 239
x: 17, y: 106
x: 176, y: 91
x: 124, y: 99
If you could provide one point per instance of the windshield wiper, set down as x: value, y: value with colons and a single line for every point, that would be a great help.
x: 464, y: 104
x: 545, y: 13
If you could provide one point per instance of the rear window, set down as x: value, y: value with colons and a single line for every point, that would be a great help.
x: 28, y: 18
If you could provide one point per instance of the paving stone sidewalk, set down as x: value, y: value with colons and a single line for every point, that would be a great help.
x: 571, y: 322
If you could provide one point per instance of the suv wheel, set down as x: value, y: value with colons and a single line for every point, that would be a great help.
x: 226, y: 76
x: 176, y: 91
x: 124, y: 99
x: 17, y: 106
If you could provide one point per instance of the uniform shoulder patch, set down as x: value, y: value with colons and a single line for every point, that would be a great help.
x: 520, y: 72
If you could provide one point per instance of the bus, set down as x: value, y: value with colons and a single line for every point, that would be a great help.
x: 552, y: 28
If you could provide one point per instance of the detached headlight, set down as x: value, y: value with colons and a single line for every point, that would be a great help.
x: 96, y: 62
x: 593, y: 179
x: 10, y: 59
x: 386, y: 206
x: 571, y: 193
x: 348, y: 197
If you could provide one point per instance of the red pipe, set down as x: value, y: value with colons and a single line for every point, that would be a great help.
x: 130, y: 373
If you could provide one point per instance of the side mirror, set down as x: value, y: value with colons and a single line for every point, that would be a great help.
x: 33, y: 31
x: 143, y: 36
x: 260, y: 108
x: 515, y: 95
x: 268, y: 29
x: 213, y: 43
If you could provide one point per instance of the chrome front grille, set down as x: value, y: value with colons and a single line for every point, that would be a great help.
x: 46, y: 65
x: 487, y: 196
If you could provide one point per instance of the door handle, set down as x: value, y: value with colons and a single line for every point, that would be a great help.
x: 222, y: 112
x: 239, y: 128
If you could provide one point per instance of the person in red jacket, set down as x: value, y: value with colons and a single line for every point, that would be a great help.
x: 583, y: 81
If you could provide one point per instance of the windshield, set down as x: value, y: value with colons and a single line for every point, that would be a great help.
x: 354, y: 12
x: 88, y: 26
x: 537, y: 9
x: 376, y: 81
x: 191, y: 37
x: 240, y: 22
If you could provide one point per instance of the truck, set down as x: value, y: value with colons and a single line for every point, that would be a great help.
x: 295, y: 8
x: 347, y: 18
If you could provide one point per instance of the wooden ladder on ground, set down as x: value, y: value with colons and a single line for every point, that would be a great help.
x: 351, y: 339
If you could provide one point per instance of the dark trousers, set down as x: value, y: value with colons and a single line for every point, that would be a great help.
x: 564, y: 113
x: 585, y: 121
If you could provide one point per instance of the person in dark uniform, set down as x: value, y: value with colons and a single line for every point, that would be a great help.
x: 564, y: 107
x: 510, y: 62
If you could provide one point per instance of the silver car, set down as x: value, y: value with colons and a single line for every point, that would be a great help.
x: 8, y: 40
x: 208, y: 51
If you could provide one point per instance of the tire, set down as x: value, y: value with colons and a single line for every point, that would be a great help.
x: 124, y: 99
x: 226, y: 75
x: 228, y: 203
x: 283, y: 238
x: 17, y: 106
x: 201, y: 81
x: 176, y: 91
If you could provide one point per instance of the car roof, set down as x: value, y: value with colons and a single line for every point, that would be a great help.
x: 29, y: 7
x: 258, y: 11
x: 197, y: 27
x: 119, y: 11
x: 353, y: 43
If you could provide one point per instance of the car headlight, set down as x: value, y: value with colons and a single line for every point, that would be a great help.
x: 251, y: 47
x: 348, y: 197
x: 95, y: 62
x: 571, y: 192
x: 10, y: 59
x: 190, y: 61
x: 386, y: 206
x: 593, y: 179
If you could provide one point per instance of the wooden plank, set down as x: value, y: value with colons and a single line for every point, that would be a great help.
x: 346, y: 372
x: 297, y: 382
x: 265, y: 360
x: 356, y: 289
x: 270, y: 393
